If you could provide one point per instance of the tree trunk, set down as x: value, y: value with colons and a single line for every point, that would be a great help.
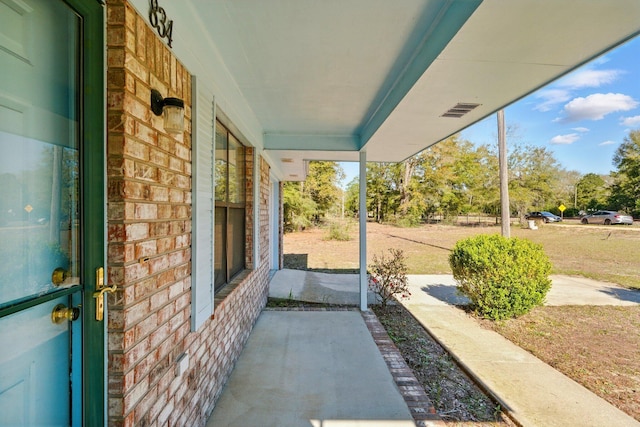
x: 409, y: 168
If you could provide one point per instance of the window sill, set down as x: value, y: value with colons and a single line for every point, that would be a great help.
x: 229, y: 288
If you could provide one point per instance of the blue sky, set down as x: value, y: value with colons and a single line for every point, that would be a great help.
x: 582, y: 117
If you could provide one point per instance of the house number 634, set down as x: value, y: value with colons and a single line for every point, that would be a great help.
x: 158, y: 20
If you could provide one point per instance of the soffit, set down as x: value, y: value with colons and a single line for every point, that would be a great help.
x: 327, y: 79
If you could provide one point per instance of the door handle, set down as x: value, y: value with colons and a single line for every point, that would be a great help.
x: 99, y: 293
x: 62, y: 313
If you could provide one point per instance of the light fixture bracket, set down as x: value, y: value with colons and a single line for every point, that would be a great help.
x: 157, y: 102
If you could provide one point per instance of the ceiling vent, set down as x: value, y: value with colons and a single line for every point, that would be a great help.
x: 286, y: 160
x: 460, y: 110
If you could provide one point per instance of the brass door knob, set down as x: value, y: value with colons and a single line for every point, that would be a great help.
x: 63, y: 313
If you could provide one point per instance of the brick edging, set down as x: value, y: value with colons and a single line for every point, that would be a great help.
x: 422, y: 410
x: 310, y: 309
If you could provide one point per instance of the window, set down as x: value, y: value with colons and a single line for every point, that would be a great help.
x: 229, y: 238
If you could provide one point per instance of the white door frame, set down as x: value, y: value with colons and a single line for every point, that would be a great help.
x: 274, y: 223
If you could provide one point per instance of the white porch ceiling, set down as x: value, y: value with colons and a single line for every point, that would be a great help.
x: 326, y: 79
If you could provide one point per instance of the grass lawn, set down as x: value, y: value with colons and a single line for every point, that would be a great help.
x: 609, y: 253
x: 597, y: 346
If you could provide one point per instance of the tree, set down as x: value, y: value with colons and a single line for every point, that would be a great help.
x: 306, y: 203
x: 448, y: 178
x: 298, y: 208
x: 533, y: 175
x: 625, y: 192
x: 592, y: 193
x: 383, y: 189
x: 565, y: 190
x: 352, y: 196
x: 455, y: 177
x: 322, y: 186
x: 487, y: 189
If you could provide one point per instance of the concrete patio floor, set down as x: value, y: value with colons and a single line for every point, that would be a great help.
x: 319, y: 369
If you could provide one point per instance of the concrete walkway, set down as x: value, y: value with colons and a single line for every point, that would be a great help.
x: 311, y: 369
x: 440, y: 289
x: 532, y: 392
x: 310, y: 286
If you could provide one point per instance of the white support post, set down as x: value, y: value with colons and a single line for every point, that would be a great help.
x: 363, y: 231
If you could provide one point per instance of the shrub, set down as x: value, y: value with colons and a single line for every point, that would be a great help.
x: 338, y: 231
x: 388, y: 276
x: 407, y: 221
x: 502, y: 277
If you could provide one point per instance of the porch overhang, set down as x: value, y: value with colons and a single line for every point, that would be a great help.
x: 307, y: 80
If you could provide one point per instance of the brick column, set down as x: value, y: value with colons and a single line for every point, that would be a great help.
x: 149, y: 223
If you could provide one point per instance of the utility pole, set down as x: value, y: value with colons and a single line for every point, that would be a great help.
x: 505, y: 212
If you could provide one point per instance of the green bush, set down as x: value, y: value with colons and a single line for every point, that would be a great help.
x: 407, y: 221
x: 502, y: 277
x: 338, y: 231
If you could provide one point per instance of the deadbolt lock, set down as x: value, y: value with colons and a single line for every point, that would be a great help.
x: 62, y: 313
x: 59, y: 275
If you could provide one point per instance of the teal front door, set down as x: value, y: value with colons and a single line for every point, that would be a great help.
x: 50, y: 189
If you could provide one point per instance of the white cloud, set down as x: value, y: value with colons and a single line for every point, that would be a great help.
x: 584, y: 78
x: 567, y: 139
x: 589, y: 78
x: 601, y: 60
x: 596, y: 106
x: 630, y: 121
x: 607, y: 143
x: 551, y: 98
x: 581, y: 129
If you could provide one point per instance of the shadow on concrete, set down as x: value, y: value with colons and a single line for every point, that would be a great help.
x: 296, y: 261
x: 445, y: 293
x: 317, y: 287
x: 630, y: 295
x: 301, y: 262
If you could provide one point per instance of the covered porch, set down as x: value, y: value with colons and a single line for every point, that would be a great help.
x: 357, y: 80
x: 377, y: 81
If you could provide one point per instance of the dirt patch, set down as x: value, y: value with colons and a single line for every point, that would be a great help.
x: 458, y: 401
x: 597, y: 346
x: 572, y: 249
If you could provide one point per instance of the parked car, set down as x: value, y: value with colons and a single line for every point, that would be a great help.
x: 607, y: 217
x: 544, y: 215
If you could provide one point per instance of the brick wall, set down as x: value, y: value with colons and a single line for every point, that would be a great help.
x: 149, y: 252
x: 265, y: 183
x: 248, y: 208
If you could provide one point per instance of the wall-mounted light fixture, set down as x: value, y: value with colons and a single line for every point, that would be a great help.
x: 172, y: 110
